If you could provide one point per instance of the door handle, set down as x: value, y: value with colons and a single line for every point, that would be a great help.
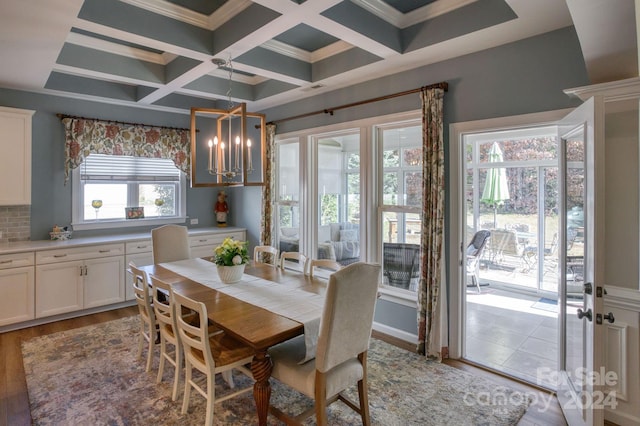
x: 609, y: 317
x: 585, y: 314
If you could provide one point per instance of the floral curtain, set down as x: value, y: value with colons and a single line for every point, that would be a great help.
x: 430, y: 291
x: 268, y: 190
x: 85, y: 136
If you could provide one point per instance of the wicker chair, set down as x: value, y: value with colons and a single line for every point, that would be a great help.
x: 401, y: 264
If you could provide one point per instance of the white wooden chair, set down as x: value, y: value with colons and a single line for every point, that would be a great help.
x: 211, y: 355
x: 324, y: 265
x: 294, y: 261
x: 164, y: 309
x: 148, y: 326
x: 341, y: 356
x: 170, y: 243
x: 266, y: 254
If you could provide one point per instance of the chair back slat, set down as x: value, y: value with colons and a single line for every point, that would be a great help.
x: 141, y: 292
x: 266, y: 254
x: 163, y: 306
x: 193, y: 336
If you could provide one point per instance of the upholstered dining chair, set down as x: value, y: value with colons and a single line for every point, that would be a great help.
x: 148, y: 325
x: 294, y: 260
x: 210, y: 354
x: 341, y: 355
x: 170, y: 243
x: 266, y: 254
x: 326, y: 265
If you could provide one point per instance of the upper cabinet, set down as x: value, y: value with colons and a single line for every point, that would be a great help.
x: 15, y: 161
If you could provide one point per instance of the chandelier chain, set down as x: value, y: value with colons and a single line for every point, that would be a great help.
x: 230, y: 69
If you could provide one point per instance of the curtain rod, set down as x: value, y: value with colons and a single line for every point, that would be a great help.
x: 61, y: 116
x: 442, y: 85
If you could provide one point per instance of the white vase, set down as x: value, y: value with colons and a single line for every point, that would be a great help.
x: 230, y: 274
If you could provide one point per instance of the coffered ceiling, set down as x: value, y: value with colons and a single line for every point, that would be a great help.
x: 158, y: 53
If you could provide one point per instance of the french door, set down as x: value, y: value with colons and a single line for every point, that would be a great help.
x: 581, y: 393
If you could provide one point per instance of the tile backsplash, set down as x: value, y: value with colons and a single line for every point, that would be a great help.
x: 15, y: 223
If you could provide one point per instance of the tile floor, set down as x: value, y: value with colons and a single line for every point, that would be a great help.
x: 512, y: 333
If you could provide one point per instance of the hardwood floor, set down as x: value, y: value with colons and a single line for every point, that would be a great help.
x: 14, y: 400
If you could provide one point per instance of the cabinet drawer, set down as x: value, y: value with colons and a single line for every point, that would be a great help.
x: 213, y: 239
x: 79, y: 253
x: 16, y: 260
x: 138, y: 246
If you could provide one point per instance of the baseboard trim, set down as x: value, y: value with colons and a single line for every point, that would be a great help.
x: 68, y: 315
x: 620, y: 418
x: 394, y: 332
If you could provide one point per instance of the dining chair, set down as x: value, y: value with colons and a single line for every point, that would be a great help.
x: 324, y: 265
x: 294, y: 260
x: 268, y: 254
x: 341, y: 355
x: 210, y: 354
x: 170, y: 243
x: 164, y: 309
x: 148, y: 326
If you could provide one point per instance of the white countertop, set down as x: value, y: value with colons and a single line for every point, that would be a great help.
x: 22, y: 246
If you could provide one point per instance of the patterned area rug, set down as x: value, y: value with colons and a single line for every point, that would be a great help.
x: 91, y: 376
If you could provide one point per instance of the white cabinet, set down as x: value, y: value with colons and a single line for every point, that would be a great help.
x: 203, y: 245
x: 16, y: 288
x: 78, y: 278
x: 140, y: 253
x: 15, y: 139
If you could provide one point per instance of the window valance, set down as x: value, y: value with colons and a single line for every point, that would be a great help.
x: 89, y: 136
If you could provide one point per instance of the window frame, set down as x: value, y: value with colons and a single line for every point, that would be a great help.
x: 370, y: 175
x: 400, y: 171
x: 79, y: 223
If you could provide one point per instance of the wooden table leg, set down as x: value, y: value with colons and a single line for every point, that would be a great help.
x: 261, y: 367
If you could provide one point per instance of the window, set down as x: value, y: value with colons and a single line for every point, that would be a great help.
x: 351, y: 193
x: 400, y: 161
x: 104, y: 186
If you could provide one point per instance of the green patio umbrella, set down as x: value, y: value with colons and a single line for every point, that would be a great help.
x: 496, y: 190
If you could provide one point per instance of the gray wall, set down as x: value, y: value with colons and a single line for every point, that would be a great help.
x: 522, y: 77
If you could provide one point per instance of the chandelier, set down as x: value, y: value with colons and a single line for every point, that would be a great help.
x: 228, y: 144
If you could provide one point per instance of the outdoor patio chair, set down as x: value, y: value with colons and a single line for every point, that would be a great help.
x: 401, y: 264
x: 530, y: 256
x: 475, y: 249
x: 504, y: 243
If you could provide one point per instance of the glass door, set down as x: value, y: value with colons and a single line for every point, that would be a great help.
x: 581, y: 280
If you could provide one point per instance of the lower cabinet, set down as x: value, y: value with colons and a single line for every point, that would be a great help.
x: 203, y: 245
x: 16, y: 289
x: 63, y: 285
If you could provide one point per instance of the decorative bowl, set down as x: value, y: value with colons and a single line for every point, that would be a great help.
x: 60, y: 235
x: 230, y: 274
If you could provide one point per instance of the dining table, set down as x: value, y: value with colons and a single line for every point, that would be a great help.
x: 257, y: 326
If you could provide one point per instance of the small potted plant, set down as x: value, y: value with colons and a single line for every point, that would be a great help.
x: 230, y: 257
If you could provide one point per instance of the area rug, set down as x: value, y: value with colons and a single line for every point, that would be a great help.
x: 92, y: 376
x: 545, y: 304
